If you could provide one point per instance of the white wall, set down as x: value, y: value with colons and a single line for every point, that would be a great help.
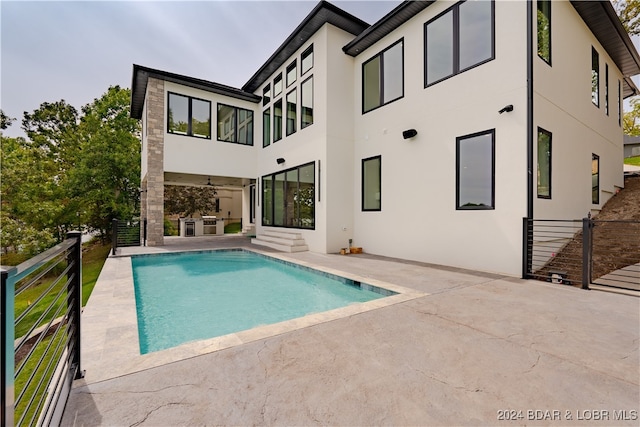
x: 563, y: 106
x: 419, y: 220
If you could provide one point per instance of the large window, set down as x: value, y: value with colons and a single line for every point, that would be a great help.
x: 189, y: 116
x: 306, y: 60
x: 292, y: 73
x: 277, y: 120
x: 595, y: 179
x: 544, y: 164
x: 291, y: 111
x: 372, y: 184
x: 383, y: 77
x: 606, y: 89
x: 277, y: 85
x: 266, y: 95
x: 289, y: 198
x: 458, y: 39
x: 595, y: 77
x: 266, y: 127
x: 475, y: 171
x: 544, y: 30
x: 235, y: 125
x: 306, y: 103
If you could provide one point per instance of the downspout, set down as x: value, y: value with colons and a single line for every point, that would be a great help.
x: 530, y: 109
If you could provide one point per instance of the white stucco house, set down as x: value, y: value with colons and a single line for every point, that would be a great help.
x: 426, y: 136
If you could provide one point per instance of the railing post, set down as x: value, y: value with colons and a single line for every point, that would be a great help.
x: 7, y: 359
x: 527, y: 246
x: 74, y: 298
x: 586, y: 251
x: 114, y: 236
x: 144, y: 241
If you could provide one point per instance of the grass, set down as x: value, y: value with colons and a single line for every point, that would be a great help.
x: 634, y: 161
x: 232, y: 228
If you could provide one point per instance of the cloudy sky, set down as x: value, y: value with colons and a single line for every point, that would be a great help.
x: 75, y: 50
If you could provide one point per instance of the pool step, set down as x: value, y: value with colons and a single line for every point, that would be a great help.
x: 284, y: 241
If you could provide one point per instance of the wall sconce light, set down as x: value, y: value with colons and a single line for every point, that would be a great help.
x: 506, y: 109
x: 280, y: 160
x: 409, y: 133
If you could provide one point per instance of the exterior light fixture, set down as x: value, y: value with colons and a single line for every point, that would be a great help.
x: 280, y: 160
x: 506, y: 109
x: 409, y: 133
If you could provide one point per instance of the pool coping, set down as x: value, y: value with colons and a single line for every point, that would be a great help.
x: 110, y: 345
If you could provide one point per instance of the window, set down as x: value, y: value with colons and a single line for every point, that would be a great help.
x: 544, y: 30
x: 372, y: 184
x: 382, y: 77
x: 544, y: 164
x: 266, y: 95
x: 266, y: 127
x: 235, y: 125
x: 475, y: 171
x: 292, y: 73
x: 606, y: 89
x: 277, y: 85
x: 595, y: 179
x: 289, y: 198
x: 458, y: 39
x: 306, y: 60
x: 277, y: 120
x: 189, y: 116
x: 306, y: 103
x: 619, y: 105
x: 595, y: 77
x: 292, y: 98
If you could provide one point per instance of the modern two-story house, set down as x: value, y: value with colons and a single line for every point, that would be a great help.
x: 426, y: 136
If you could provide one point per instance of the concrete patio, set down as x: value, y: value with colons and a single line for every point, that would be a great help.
x: 456, y: 347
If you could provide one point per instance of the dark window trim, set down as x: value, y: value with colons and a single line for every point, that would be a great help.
x: 235, y: 136
x: 597, y: 91
x: 550, y: 32
x: 276, y: 79
x: 302, y: 55
x: 456, y: 43
x: 606, y: 88
x: 271, y: 177
x: 294, y: 64
x: 619, y: 104
x: 379, y: 156
x: 295, y: 120
x: 268, y: 135
x: 273, y: 119
x: 596, y: 200
x: 266, y: 88
x: 381, y: 55
x: 189, y: 116
x: 312, y: 99
x: 491, y: 132
x: 550, y: 135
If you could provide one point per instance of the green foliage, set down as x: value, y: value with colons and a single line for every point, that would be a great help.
x: 544, y: 36
x: 634, y: 161
x: 169, y: 229
x: 629, y: 13
x: 631, y: 119
x: 186, y: 201
x: 232, y: 228
x: 5, y: 121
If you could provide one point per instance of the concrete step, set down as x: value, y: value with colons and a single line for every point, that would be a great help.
x: 284, y: 234
x: 281, y: 241
x: 283, y: 248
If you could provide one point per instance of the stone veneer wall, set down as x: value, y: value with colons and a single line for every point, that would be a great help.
x: 154, y: 181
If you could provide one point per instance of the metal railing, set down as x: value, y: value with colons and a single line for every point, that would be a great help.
x: 41, y: 305
x: 582, y: 252
x: 128, y: 233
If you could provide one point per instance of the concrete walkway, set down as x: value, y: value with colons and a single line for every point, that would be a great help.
x: 463, y: 348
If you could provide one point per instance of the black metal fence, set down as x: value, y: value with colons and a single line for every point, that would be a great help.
x: 128, y: 233
x: 583, y: 252
x: 41, y: 305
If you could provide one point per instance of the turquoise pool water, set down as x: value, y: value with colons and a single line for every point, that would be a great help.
x: 191, y: 296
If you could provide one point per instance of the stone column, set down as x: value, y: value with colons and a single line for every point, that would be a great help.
x: 155, y: 163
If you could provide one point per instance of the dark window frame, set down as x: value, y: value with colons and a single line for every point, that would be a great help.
x: 541, y: 9
x: 302, y: 124
x: 550, y: 157
x: 606, y: 88
x: 456, y: 43
x: 381, y: 71
x: 266, y: 98
x: 277, y: 79
x: 273, y: 121
x: 595, y: 196
x: 293, y: 65
x: 236, y: 127
x: 271, y: 178
x: 266, y: 133
x: 619, y: 104
x: 189, y: 115
x: 362, y: 183
x: 305, y: 53
x: 491, y: 132
x: 295, y: 112
x: 595, y: 68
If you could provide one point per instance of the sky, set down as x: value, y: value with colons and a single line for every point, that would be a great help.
x: 75, y: 50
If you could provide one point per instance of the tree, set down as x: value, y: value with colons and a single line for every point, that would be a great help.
x: 5, y: 121
x: 106, y: 177
x: 631, y: 119
x: 629, y: 13
x: 185, y: 201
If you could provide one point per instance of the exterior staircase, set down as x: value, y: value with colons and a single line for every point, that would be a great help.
x: 249, y: 230
x: 282, y: 240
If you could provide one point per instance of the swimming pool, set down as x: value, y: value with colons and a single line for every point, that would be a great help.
x: 189, y: 296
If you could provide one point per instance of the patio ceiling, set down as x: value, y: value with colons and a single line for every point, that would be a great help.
x: 187, y: 179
